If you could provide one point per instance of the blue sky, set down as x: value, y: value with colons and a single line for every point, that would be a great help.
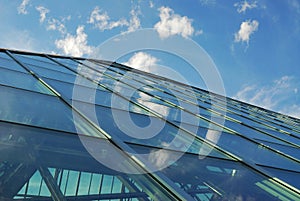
x: 255, y: 45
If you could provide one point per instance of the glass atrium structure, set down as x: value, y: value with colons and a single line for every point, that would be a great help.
x: 65, y: 134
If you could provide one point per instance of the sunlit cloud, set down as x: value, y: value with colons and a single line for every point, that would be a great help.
x: 55, y: 24
x: 173, y: 24
x: 22, y: 7
x: 134, y: 22
x: 247, y: 28
x: 143, y: 61
x: 75, y: 45
x: 101, y: 20
x: 43, y: 11
x: 243, y: 6
x: 277, y: 96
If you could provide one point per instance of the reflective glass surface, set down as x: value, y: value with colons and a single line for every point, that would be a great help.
x: 22, y: 80
x: 105, y: 120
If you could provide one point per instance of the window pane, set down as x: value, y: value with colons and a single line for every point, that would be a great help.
x: 25, y: 151
x: 9, y: 63
x: 21, y: 80
x: 41, y: 62
x: 134, y: 129
x: 39, y: 110
x: 216, y: 179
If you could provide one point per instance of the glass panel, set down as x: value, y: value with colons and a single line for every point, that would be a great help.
x: 27, y: 153
x: 42, y: 62
x: 251, y: 133
x: 40, y: 110
x: 292, y: 151
x: 289, y: 177
x: 21, y: 80
x: 53, y: 74
x: 135, y: 129
x: 9, y: 63
x: 245, y: 149
x: 284, y: 136
x: 216, y: 179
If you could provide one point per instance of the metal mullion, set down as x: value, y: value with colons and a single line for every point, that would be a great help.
x: 101, y: 183
x: 90, y: 183
x: 78, y: 183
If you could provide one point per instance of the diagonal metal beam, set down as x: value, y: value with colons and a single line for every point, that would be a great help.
x: 51, y: 184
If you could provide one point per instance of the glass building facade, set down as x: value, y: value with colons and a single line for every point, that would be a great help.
x: 84, y: 129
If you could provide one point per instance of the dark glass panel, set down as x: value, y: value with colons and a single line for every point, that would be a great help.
x: 289, y: 177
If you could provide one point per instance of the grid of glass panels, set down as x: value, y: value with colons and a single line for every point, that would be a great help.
x: 228, y: 150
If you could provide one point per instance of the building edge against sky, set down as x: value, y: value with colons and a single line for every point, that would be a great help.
x: 63, y: 139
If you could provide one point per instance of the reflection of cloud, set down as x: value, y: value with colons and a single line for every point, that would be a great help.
x: 211, y: 136
x: 74, y: 45
x: 173, y: 24
x: 244, y: 5
x: 247, y: 28
x: 142, y: 61
x: 146, y: 100
x: 22, y: 7
x: 163, y: 158
x: 275, y: 97
x: 43, y: 11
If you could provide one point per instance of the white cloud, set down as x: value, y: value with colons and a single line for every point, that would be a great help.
x: 247, y: 28
x: 134, y: 22
x: 75, y: 45
x: 22, y: 7
x: 43, y: 11
x: 278, y: 96
x: 244, y: 5
x: 142, y: 61
x: 173, y: 24
x: 101, y: 20
x: 54, y: 24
